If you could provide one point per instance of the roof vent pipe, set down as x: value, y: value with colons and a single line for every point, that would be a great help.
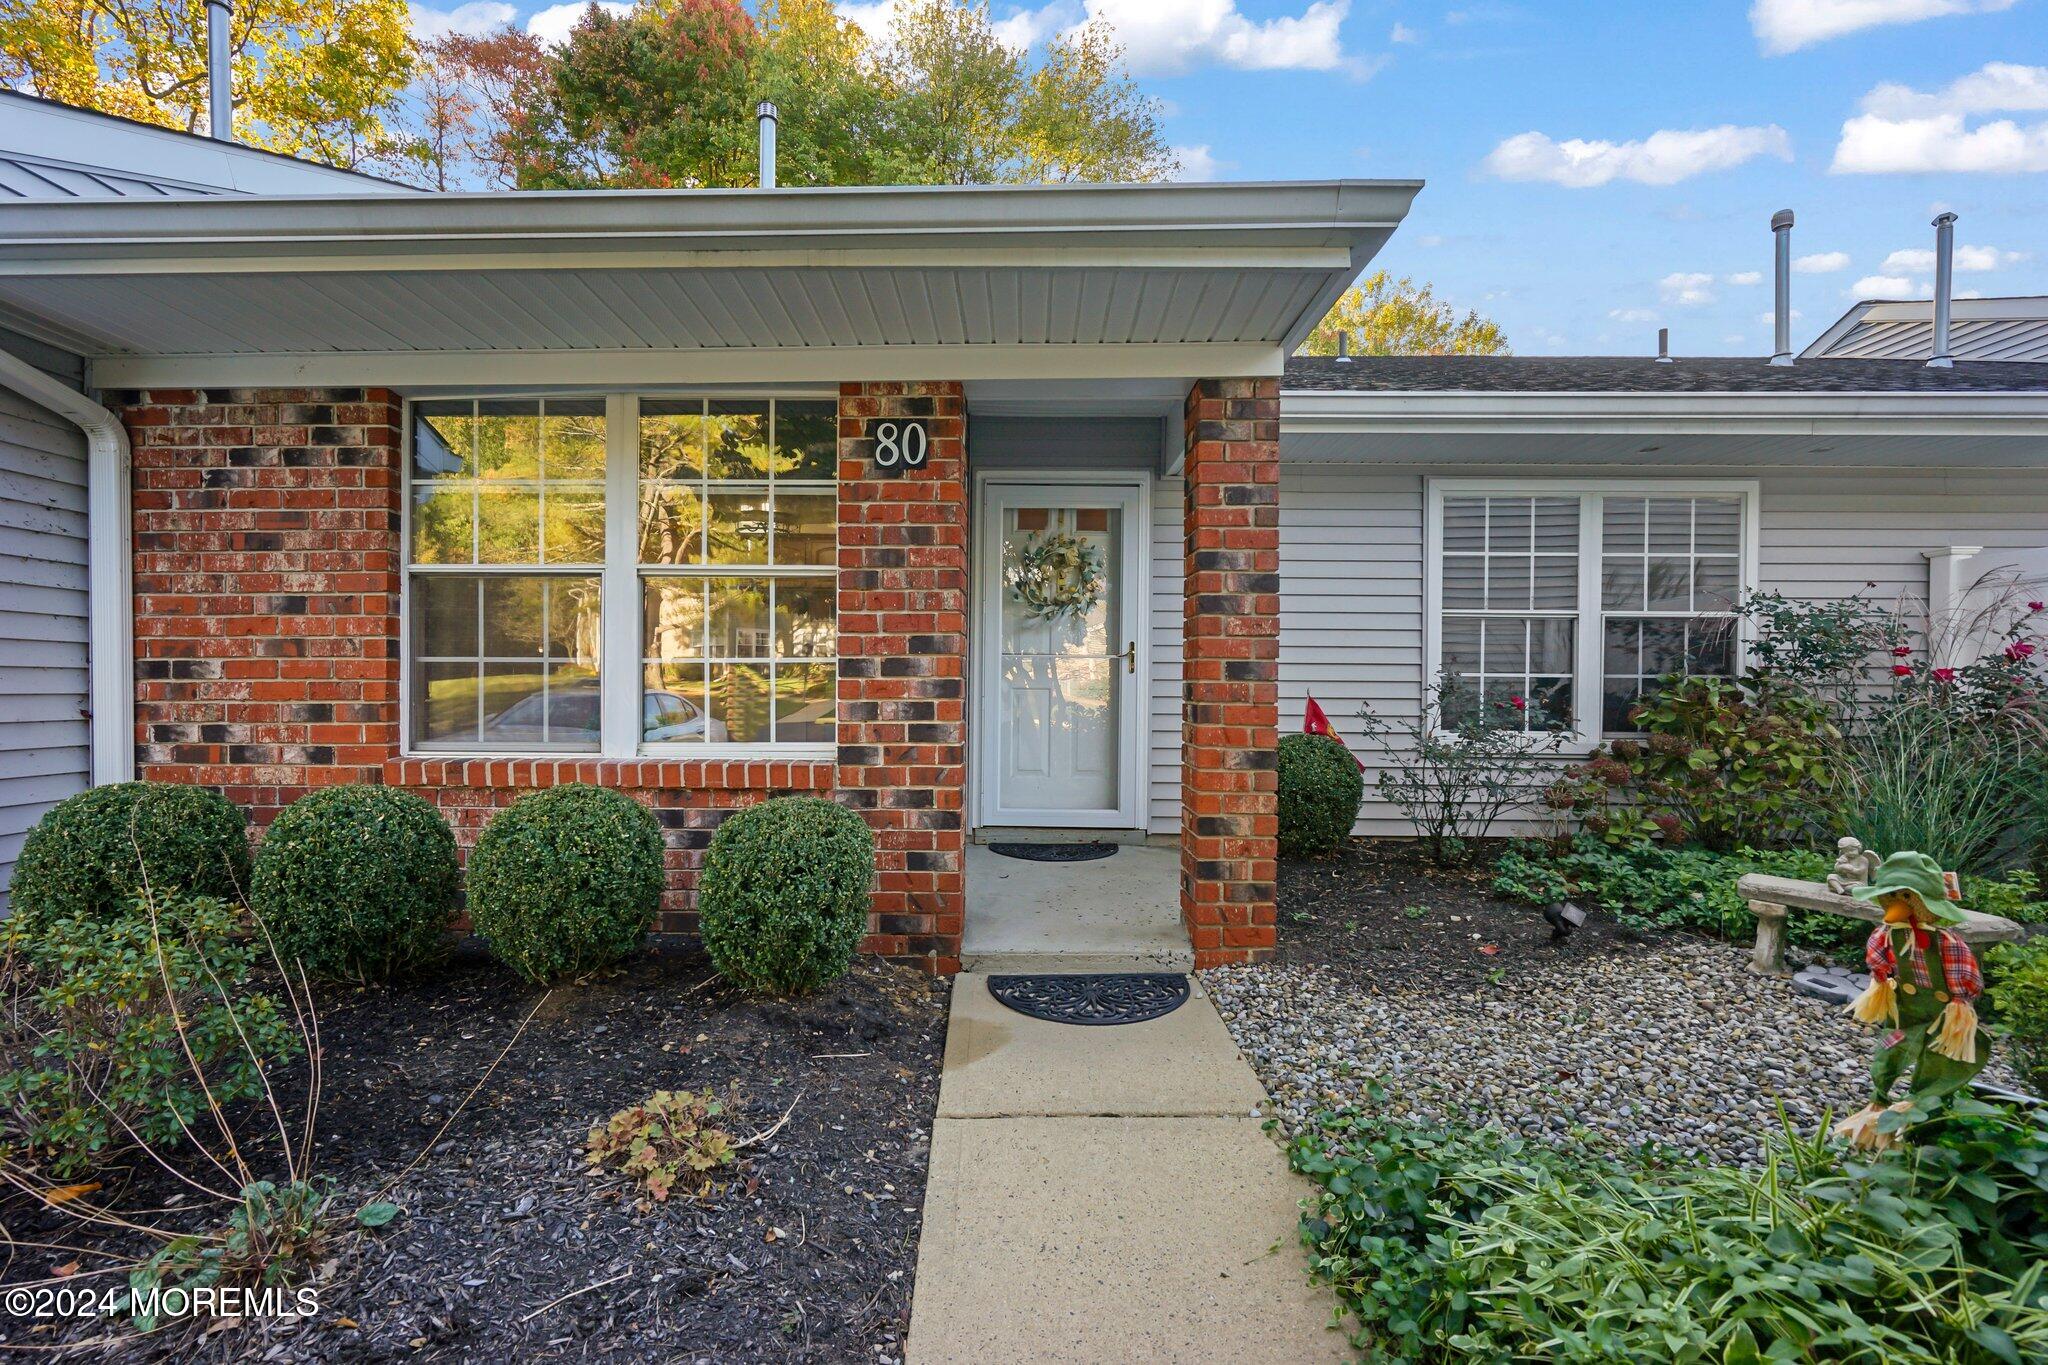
x: 1781, y: 228
x: 1663, y: 345
x: 1343, y: 348
x: 220, y: 91
x: 765, y: 112
x: 1944, y: 288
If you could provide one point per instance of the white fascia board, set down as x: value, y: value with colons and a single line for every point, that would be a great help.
x: 735, y: 365
x: 1420, y: 412
x: 1333, y: 214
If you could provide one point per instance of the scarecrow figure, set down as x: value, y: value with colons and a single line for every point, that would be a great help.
x: 1924, y: 982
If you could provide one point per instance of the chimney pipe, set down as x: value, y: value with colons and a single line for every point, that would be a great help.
x: 220, y: 89
x: 1663, y: 345
x: 1944, y: 288
x: 1343, y: 348
x: 765, y: 112
x: 1781, y: 228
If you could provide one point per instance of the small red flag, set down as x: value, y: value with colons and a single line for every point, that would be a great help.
x: 1314, y: 722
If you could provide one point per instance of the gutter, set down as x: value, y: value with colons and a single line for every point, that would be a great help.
x: 2020, y: 412
x: 110, y: 573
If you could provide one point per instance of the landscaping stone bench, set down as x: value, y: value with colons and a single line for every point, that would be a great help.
x: 1770, y: 898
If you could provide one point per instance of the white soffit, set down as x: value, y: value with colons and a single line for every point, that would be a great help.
x: 694, y: 286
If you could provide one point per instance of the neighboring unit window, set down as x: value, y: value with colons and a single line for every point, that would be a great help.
x: 507, y: 545
x: 1510, y: 607
x: 732, y: 558
x: 1670, y: 574
x: 738, y: 553
x: 1549, y: 600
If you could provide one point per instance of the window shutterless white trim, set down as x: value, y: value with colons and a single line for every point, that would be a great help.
x: 620, y: 670
x: 1131, y: 492
x: 1588, y: 643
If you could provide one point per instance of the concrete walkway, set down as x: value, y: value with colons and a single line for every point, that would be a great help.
x: 1120, y: 914
x: 1105, y: 1194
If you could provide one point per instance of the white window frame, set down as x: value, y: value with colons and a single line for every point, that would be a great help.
x: 619, y: 660
x: 1588, y: 644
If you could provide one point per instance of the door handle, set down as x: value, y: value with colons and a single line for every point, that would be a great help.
x: 1131, y: 656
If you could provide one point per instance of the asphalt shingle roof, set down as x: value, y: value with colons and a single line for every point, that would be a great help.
x: 1642, y: 374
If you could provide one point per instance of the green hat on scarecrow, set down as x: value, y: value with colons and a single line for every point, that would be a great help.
x: 1914, y: 874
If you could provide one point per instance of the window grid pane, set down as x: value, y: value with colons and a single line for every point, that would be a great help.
x: 1510, y: 599
x: 508, y: 481
x: 506, y: 661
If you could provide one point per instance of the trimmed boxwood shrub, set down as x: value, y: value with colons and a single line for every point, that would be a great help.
x: 783, y: 899
x: 1320, y: 788
x: 86, y: 858
x: 357, y: 883
x: 566, y: 880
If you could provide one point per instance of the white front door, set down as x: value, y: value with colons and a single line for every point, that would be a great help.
x: 1060, y: 596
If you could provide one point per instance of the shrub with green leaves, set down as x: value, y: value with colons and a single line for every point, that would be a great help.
x: 1655, y: 886
x: 91, y: 855
x: 1320, y: 788
x: 358, y: 883
x: 782, y: 901
x: 566, y: 880
x: 91, y: 1048
x: 2016, y: 994
x: 1445, y: 1243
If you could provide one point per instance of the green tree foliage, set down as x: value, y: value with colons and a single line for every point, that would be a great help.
x: 313, y: 78
x: 1386, y: 316
x: 665, y: 95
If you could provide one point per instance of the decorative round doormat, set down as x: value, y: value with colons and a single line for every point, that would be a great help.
x: 1099, y: 998
x: 1054, y: 853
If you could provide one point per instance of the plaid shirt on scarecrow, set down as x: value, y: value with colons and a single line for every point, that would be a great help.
x: 1959, y: 974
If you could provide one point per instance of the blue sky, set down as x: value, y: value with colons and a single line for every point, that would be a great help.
x: 1598, y: 170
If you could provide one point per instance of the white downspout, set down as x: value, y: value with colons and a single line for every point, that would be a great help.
x: 110, y: 574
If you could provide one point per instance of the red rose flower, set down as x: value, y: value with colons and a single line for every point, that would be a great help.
x: 1518, y: 703
x: 1901, y: 651
x: 1902, y: 670
x: 2037, y: 606
x: 1946, y: 675
x: 2019, y: 649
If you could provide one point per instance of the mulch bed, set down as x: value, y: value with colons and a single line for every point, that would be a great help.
x: 807, y: 1254
x: 1376, y: 911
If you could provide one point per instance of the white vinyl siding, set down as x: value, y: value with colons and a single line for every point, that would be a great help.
x: 45, y: 745
x: 1351, y: 574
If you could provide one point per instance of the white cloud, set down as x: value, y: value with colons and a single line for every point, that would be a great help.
x: 1197, y: 163
x: 1771, y: 319
x: 1027, y: 28
x: 1663, y: 158
x: 1969, y: 260
x: 553, y: 23
x: 1820, y: 263
x: 1903, y: 130
x: 1633, y: 314
x: 1885, y: 287
x: 1687, y: 288
x: 1744, y: 277
x: 1403, y: 34
x: 475, y: 17
x: 1783, y: 26
x: 1164, y: 40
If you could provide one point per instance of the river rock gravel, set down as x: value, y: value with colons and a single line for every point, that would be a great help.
x: 1670, y: 1042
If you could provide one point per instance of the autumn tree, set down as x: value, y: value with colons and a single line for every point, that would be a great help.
x: 467, y: 112
x: 314, y: 78
x: 1385, y: 316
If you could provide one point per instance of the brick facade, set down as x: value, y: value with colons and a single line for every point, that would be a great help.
x: 902, y: 666
x: 1230, y: 660
x: 266, y: 526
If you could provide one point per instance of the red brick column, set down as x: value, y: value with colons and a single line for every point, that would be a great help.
x: 266, y: 588
x: 902, y: 759
x: 1230, y: 654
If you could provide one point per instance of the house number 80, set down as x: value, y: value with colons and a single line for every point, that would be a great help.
x: 900, y: 446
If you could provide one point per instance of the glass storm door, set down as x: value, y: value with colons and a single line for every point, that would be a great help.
x: 1062, y: 608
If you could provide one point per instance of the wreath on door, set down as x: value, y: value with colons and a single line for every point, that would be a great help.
x: 1056, y: 576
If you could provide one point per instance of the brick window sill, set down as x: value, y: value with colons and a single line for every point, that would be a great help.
x: 696, y: 774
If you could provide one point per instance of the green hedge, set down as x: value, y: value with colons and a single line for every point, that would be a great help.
x: 2016, y: 994
x: 783, y: 898
x: 566, y: 880
x: 357, y: 883
x: 1320, y: 788
x: 91, y: 855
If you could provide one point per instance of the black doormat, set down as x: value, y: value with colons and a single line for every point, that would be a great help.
x: 1054, y: 853
x: 1100, y: 998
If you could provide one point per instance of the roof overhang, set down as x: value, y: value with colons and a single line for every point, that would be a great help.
x: 1649, y: 429
x: 718, y: 286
